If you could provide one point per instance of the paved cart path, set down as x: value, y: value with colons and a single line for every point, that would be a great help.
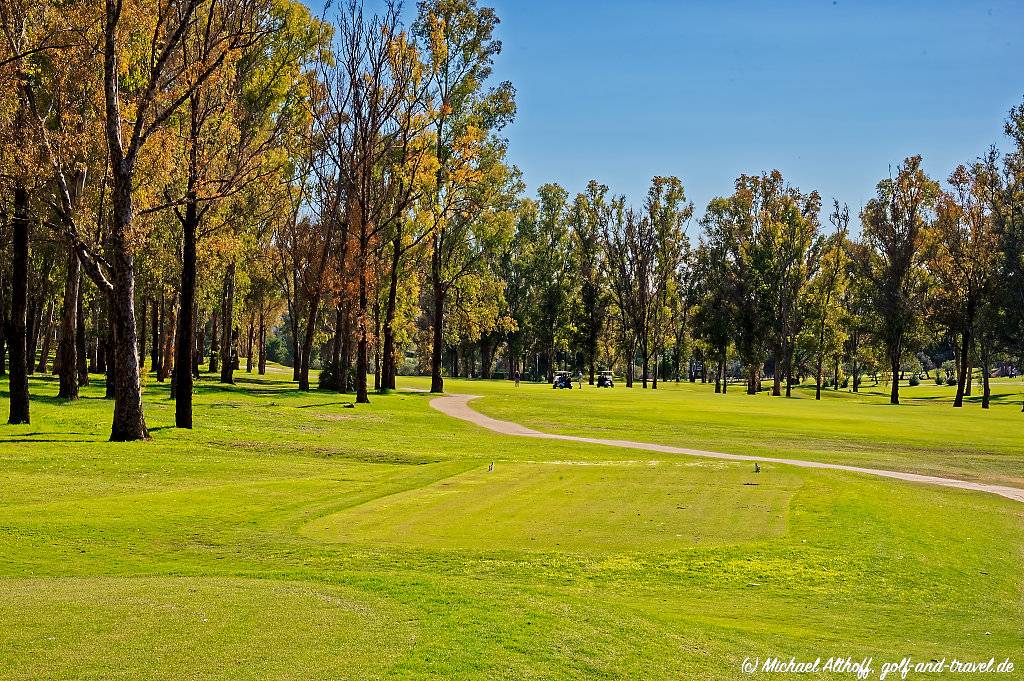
x: 458, y: 407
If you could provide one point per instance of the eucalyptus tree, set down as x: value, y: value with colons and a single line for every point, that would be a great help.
x: 149, y: 46
x: 31, y: 32
x: 458, y: 44
x: 669, y: 212
x: 891, y: 258
x: 383, y: 120
x: 587, y: 219
x: 300, y: 243
x: 742, y: 224
x: 713, y: 295
x: 552, y: 269
x: 16, y: 334
x: 794, y: 221
x: 520, y: 293
x: 228, y: 139
x: 1005, y: 198
x: 631, y: 250
x: 57, y: 92
x: 963, y: 260
x: 825, y: 334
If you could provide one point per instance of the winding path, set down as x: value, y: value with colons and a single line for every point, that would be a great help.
x: 457, y: 406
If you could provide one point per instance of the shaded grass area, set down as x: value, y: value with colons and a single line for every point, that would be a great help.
x: 925, y: 434
x: 290, y: 537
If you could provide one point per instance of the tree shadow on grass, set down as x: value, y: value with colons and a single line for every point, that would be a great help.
x: 62, y: 402
x: 251, y: 386
x: 997, y: 398
x: 36, y: 441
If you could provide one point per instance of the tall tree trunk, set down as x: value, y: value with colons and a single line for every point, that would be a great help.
x: 962, y: 368
x: 34, y: 321
x: 161, y: 340
x: 199, y: 330
x: 986, y: 371
x: 657, y: 368
x: 780, y: 355
x: 67, y: 352
x: 725, y: 371
x: 389, y: 368
x: 214, y: 366
x: 110, y: 387
x: 436, y: 381
x: 263, y: 343
x: 817, y: 377
x: 46, y: 333
x: 183, y: 379
x: 4, y: 324
x: 294, y: 315
x: 142, y: 336
x: 646, y: 359
x: 307, y: 342
x: 969, y: 387
x: 160, y: 319
x: 98, y: 358
x: 17, y: 337
x: 894, y: 363
x: 168, y: 352
x: 346, y: 352
x: 249, y: 344
x: 302, y: 360
x: 227, y: 328
x: 80, y: 344
x: 630, y: 362
x: 789, y: 370
x: 362, y: 347
x: 129, y: 421
x: 339, y: 323
x: 854, y: 360
x: 154, y: 340
x: 376, y: 347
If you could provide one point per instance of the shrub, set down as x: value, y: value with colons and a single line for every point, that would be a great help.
x: 846, y: 382
x: 939, y: 380
x: 951, y: 380
x: 914, y: 380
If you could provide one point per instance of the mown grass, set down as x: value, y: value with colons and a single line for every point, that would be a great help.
x: 924, y: 434
x: 291, y: 537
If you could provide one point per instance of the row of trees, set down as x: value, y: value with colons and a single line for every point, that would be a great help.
x: 930, y: 267
x: 221, y: 163
x: 933, y: 270
x: 204, y: 180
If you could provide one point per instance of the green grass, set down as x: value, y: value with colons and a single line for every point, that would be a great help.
x: 591, y: 507
x: 924, y: 434
x: 290, y: 537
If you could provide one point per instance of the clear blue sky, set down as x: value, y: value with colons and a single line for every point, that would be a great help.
x: 830, y: 93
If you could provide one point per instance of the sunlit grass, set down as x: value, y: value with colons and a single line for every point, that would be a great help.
x: 288, y: 536
x: 924, y: 434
